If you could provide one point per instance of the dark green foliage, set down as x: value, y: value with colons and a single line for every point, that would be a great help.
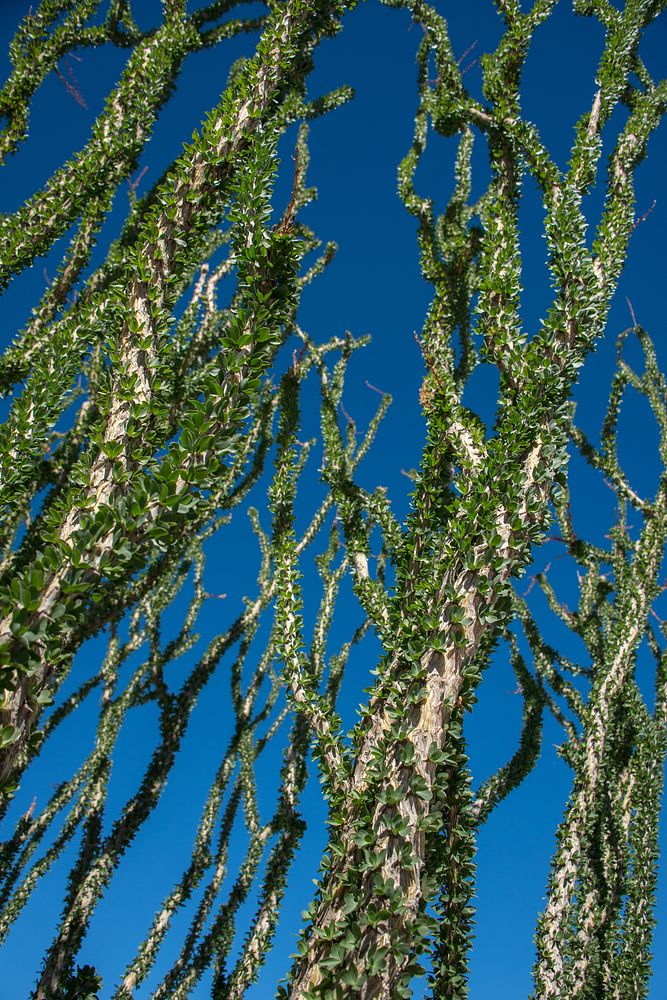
x: 174, y: 411
x: 80, y: 985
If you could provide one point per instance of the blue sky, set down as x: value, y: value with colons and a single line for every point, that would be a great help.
x: 373, y: 286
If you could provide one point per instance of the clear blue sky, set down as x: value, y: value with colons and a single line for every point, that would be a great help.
x: 373, y: 286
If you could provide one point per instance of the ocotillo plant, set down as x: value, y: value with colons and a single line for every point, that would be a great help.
x: 594, y: 937
x: 145, y: 410
x: 479, y: 502
x: 116, y: 506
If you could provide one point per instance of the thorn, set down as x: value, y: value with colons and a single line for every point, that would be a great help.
x: 30, y: 810
x: 535, y: 578
x: 467, y: 52
x: 71, y: 85
x: 644, y: 217
x: 469, y: 66
x: 635, y: 324
x: 288, y: 218
x: 296, y: 358
x: 428, y: 360
x: 133, y: 185
x: 347, y: 416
